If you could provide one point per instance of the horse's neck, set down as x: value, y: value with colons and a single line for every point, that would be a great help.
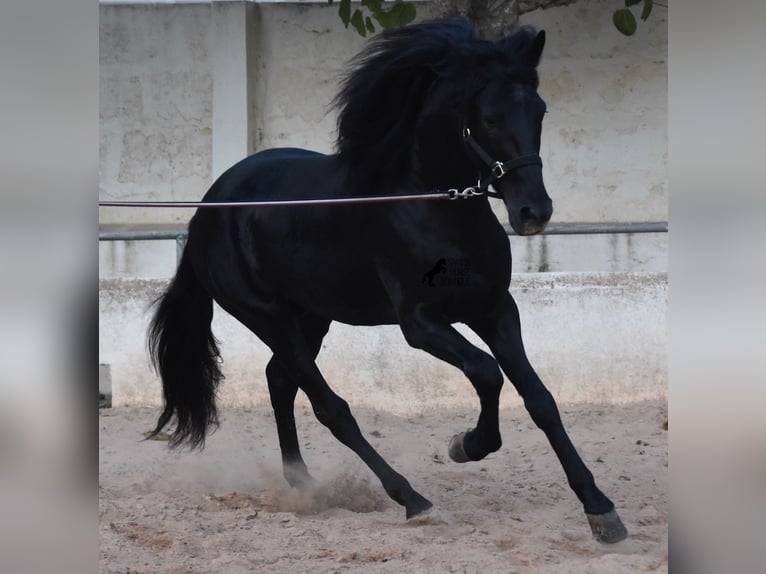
x: 441, y: 156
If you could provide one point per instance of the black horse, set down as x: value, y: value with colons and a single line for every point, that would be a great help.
x: 428, y: 106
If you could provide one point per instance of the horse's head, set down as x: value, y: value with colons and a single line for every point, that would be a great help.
x: 414, y: 89
x: 503, y: 132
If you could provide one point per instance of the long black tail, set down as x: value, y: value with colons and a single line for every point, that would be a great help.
x: 185, y: 353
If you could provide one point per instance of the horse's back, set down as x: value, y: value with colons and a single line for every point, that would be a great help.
x: 282, y: 153
x: 262, y: 174
x: 320, y: 258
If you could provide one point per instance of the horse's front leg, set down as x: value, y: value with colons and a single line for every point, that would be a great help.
x: 501, y: 330
x: 427, y: 332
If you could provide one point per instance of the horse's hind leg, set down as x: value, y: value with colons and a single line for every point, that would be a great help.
x: 258, y: 310
x: 282, y: 329
x: 501, y: 330
x: 282, y: 390
x: 333, y: 412
x: 293, y: 355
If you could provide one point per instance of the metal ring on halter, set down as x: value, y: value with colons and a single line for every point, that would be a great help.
x: 498, y: 170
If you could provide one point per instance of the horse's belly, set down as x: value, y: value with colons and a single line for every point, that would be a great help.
x: 352, y: 295
x: 350, y: 307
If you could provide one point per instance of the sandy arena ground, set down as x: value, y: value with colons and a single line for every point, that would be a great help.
x: 228, y: 510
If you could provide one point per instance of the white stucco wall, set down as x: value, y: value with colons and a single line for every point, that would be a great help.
x: 301, y: 53
x: 155, y: 106
x: 605, y: 136
x: 592, y: 337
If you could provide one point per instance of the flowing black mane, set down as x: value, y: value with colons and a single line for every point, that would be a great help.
x: 391, y: 86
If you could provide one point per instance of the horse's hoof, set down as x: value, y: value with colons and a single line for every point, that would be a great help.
x: 456, y: 450
x: 298, y: 476
x: 428, y: 517
x: 607, y: 528
x: 422, y: 509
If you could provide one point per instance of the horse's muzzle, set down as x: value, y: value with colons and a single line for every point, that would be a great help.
x: 532, y: 219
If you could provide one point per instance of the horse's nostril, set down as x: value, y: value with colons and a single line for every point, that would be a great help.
x: 528, y: 214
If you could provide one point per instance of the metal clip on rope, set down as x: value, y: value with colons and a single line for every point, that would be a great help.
x: 498, y: 169
x: 466, y: 193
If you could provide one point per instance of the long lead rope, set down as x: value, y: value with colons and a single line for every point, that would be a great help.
x: 436, y: 194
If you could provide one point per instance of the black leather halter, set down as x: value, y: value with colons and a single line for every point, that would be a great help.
x: 497, y: 169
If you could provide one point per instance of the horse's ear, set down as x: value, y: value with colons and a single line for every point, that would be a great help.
x: 535, y: 49
x: 524, y: 46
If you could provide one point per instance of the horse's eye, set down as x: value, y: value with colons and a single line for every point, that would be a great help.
x: 489, y: 121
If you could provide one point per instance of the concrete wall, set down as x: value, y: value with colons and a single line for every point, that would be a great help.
x: 188, y: 89
x: 155, y: 106
x: 263, y: 76
x: 592, y: 337
x: 605, y: 136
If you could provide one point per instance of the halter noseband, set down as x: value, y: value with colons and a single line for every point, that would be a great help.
x: 497, y: 169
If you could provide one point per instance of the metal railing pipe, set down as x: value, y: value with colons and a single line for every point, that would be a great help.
x: 180, y: 235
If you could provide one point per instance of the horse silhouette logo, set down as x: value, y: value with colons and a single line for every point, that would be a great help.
x: 440, y: 267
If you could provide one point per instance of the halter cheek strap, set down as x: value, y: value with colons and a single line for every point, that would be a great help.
x: 497, y: 169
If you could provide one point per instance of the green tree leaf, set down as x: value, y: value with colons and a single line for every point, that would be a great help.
x: 629, y: 3
x: 647, y: 9
x: 409, y: 13
x: 357, y: 21
x: 383, y: 18
x: 402, y: 13
x: 624, y: 21
x: 395, y: 15
x: 344, y: 11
